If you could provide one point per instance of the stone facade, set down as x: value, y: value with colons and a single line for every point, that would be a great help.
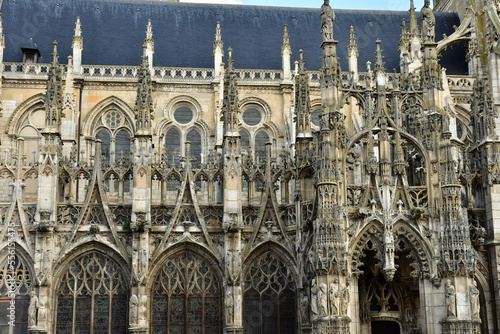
x: 145, y: 199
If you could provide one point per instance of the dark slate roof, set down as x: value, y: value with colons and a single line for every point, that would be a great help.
x: 114, y: 32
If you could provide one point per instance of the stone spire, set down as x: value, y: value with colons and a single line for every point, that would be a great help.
x: 144, y: 109
x: 413, y: 20
x: 230, y: 108
x: 352, y: 55
x: 286, y: 52
x: 218, y: 50
x: 149, y: 46
x: 302, y: 114
x: 77, y: 47
x: 53, y: 95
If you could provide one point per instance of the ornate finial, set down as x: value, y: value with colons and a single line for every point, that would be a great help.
x: 230, y: 58
x: 286, y: 41
x: 218, y: 38
x: 149, y: 31
x: 413, y: 20
x: 230, y: 107
x: 55, y: 55
x: 302, y: 62
x: 352, y: 42
x: 327, y: 17
x: 78, y: 27
x: 379, y: 64
x: 149, y: 44
x: 144, y: 108
x: 77, y: 38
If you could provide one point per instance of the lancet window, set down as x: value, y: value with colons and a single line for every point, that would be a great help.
x: 15, y: 277
x: 92, y: 297
x: 186, y: 297
x: 269, y: 297
x: 115, y: 135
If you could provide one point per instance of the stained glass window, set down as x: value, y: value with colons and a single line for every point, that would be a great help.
x: 23, y: 285
x: 269, y: 297
x: 92, y: 297
x: 186, y: 297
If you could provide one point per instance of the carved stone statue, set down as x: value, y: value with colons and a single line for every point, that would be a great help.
x: 474, y: 301
x: 304, y: 307
x: 334, y: 293
x: 344, y: 299
x: 428, y: 23
x: 323, y: 300
x: 42, y: 311
x: 32, y: 310
x: 133, y: 309
x: 451, y: 303
x: 314, y: 299
x: 327, y: 18
x: 416, y: 55
x: 230, y: 307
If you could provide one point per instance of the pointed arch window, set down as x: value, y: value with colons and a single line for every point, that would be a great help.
x: 269, y: 297
x: 122, y: 145
x: 104, y: 136
x: 92, y: 297
x: 173, y: 146
x: 193, y: 136
x: 186, y: 297
x: 18, y: 270
x: 261, y: 139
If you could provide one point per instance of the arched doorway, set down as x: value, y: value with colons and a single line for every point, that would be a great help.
x: 385, y: 327
x: 387, y: 304
x: 186, y: 297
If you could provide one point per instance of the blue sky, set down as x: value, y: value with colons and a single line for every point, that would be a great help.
x: 402, y: 5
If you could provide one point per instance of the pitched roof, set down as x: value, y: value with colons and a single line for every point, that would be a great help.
x: 114, y: 32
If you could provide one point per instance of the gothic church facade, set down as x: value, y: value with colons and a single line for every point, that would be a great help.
x: 180, y: 168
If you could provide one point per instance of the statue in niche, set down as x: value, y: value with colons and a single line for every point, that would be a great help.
x: 428, y: 23
x: 451, y: 303
x: 32, y: 310
x: 230, y: 307
x: 327, y: 18
x: 334, y: 293
x: 133, y: 309
x: 304, y: 307
x: 314, y: 298
x: 323, y: 299
x: 42, y: 311
x: 474, y: 301
x: 344, y: 299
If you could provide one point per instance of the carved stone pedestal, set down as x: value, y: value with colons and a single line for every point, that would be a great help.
x: 455, y: 326
x: 306, y: 329
x: 234, y: 330
x: 138, y: 330
x: 37, y: 331
x: 332, y: 325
